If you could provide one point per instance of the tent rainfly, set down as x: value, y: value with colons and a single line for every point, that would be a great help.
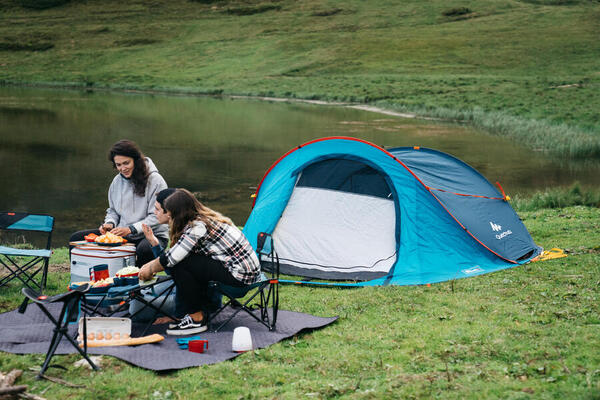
x: 342, y: 208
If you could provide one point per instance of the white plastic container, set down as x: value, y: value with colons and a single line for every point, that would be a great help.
x: 85, y: 256
x: 242, y: 340
x: 101, y: 329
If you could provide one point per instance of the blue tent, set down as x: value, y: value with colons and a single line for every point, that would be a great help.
x: 342, y: 208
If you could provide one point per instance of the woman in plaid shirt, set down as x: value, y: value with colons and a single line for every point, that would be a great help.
x: 207, y: 247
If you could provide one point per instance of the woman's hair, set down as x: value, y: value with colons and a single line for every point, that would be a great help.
x: 140, y: 174
x: 185, y: 209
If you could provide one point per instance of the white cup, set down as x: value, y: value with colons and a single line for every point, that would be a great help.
x: 242, y: 341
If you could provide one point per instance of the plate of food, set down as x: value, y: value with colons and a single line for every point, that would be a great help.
x: 109, y: 239
x: 127, y: 276
x: 91, y: 237
x: 102, y: 285
x: 128, y: 272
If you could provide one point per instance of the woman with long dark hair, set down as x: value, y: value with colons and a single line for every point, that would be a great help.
x: 131, y: 198
x: 206, y: 246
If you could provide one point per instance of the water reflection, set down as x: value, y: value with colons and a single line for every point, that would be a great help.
x: 54, y: 144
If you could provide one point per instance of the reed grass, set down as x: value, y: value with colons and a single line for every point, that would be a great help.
x: 558, y: 198
x: 558, y: 139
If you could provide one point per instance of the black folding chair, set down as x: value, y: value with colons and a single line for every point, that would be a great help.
x: 69, y: 313
x: 26, y: 264
x: 266, y: 290
x: 150, y: 296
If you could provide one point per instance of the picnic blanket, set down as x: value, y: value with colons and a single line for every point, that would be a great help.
x: 31, y: 333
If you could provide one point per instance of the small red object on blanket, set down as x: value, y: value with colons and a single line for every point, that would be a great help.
x: 198, y: 346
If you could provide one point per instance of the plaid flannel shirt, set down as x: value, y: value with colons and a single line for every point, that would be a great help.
x: 225, y: 243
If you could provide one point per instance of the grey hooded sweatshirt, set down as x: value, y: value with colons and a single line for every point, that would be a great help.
x: 127, y: 209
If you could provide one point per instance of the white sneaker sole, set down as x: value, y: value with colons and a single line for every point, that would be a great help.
x: 188, y: 331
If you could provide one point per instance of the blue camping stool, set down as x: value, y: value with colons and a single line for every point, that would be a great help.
x: 26, y: 264
x: 69, y: 313
x: 266, y: 289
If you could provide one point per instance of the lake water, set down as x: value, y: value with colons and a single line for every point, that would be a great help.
x: 54, y: 145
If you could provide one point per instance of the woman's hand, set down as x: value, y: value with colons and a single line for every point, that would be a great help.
x: 149, y: 234
x: 146, y: 273
x: 150, y: 269
x: 121, y: 231
x: 105, y: 228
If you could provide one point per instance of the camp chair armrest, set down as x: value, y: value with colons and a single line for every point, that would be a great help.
x: 42, y: 299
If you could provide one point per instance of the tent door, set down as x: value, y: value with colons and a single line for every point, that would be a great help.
x: 339, y: 223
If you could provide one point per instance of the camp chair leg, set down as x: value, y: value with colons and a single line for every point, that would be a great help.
x: 137, y: 292
x: 275, y: 305
x: 11, y: 275
x: 60, y: 330
x: 231, y: 317
x: 157, y: 309
x: 33, y: 260
x: 217, y: 312
x: 14, y: 273
x: 69, y: 312
x: 241, y: 307
x: 272, y: 296
x: 81, y: 351
x: 30, y: 277
x: 264, y: 314
x: 53, y: 345
x: 19, y: 271
x: 92, y: 309
x: 44, y: 274
x: 233, y: 303
x: 58, y: 335
x: 123, y: 305
x: 267, y: 288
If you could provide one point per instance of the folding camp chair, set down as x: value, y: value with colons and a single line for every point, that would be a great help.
x: 69, y: 313
x: 266, y: 289
x: 152, y: 296
x: 26, y: 264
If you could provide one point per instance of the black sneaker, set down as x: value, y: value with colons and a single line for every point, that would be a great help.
x: 187, y: 326
x: 173, y: 325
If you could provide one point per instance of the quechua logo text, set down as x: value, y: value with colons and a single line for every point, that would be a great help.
x: 498, y: 228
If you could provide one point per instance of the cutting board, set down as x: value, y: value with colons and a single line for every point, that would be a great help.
x: 154, y: 338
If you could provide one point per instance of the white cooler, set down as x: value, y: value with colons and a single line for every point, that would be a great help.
x: 85, y: 256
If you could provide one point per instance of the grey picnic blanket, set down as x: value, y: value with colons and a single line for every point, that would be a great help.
x: 31, y: 333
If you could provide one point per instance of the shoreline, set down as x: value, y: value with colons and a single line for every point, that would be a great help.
x: 559, y: 140
x: 171, y: 92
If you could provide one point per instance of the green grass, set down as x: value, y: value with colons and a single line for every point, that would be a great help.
x: 524, y: 69
x: 558, y: 198
x: 526, y: 332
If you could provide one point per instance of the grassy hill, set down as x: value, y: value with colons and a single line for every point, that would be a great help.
x: 527, y: 69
